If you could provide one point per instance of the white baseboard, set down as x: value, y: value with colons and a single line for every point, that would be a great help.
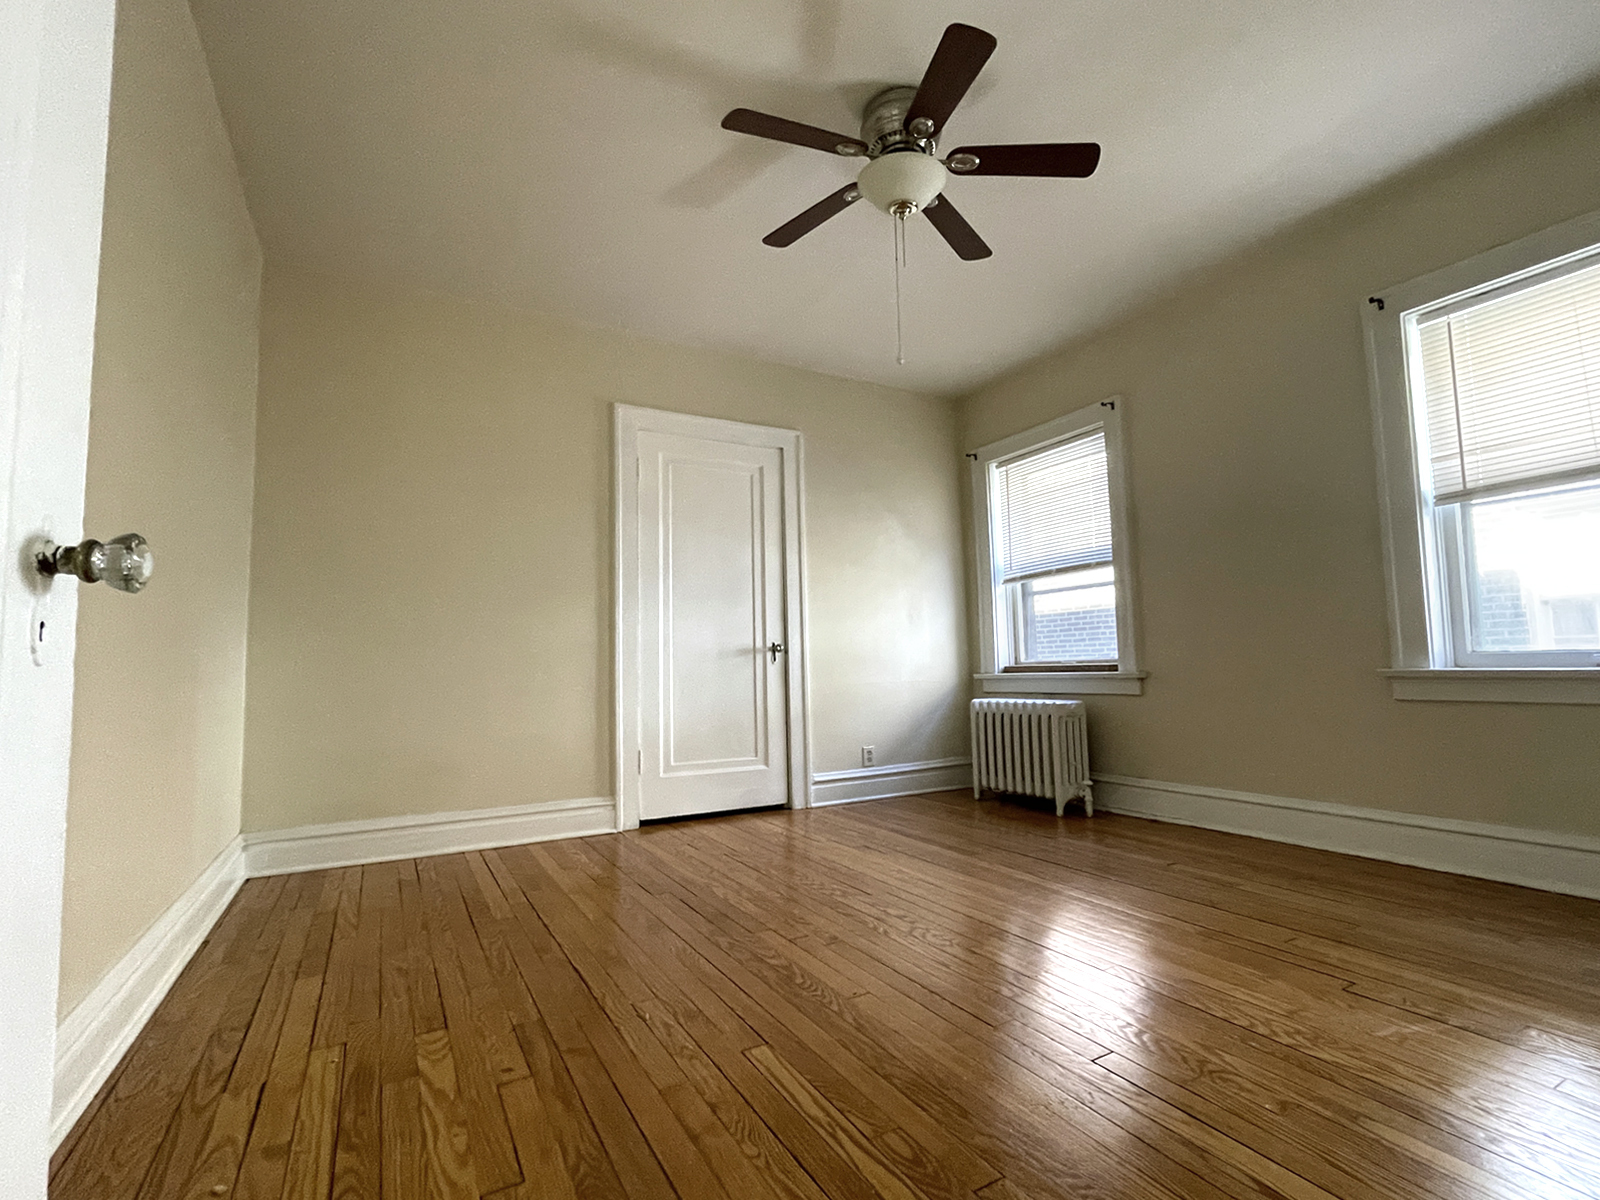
x: 318, y: 847
x: 894, y: 779
x: 1555, y: 862
x: 94, y: 1036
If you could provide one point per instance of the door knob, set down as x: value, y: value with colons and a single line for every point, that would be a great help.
x: 775, y: 649
x: 126, y: 563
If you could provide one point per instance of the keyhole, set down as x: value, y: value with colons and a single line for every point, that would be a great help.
x: 37, y: 619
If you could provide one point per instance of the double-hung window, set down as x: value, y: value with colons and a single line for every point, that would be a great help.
x: 1052, y: 558
x: 1487, y: 394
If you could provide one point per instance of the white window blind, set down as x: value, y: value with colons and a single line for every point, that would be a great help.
x: 1512, y: 388
x: 1054, y: 509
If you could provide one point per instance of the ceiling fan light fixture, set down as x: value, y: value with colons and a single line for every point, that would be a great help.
x: 898, y: 127
x: 902, y: 178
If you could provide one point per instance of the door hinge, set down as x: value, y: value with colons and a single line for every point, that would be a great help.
x: 641, y: 762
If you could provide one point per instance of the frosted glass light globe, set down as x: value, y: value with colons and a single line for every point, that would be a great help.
x: 904, y: 177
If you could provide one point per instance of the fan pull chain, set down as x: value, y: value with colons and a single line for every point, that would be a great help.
x: 899, y: 261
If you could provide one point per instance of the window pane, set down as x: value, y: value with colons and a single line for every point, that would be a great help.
x: 1070, y: 617
x: 1535, y: 570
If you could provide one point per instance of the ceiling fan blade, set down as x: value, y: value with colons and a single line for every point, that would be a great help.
x: 793, y: 230
x: 961, y: 54
x: 1059, y: 160
x: 953, y: 227
x: 746, y: 120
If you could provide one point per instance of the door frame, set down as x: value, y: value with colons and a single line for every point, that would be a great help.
x: 628, y: 422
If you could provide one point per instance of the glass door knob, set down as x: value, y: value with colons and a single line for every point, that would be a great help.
x: 126, y: 563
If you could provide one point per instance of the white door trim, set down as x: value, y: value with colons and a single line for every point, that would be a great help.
x: 628, y: 422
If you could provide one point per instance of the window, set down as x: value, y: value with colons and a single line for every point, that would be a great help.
x: 1052, y: 553
x: 1487, y: 401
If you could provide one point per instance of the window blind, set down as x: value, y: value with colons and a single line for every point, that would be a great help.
x: 1512, y: 388
x: 1054, y: 509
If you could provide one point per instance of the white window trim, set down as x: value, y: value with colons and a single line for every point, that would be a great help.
x: 1127, y: 679
x: 1422, y: 666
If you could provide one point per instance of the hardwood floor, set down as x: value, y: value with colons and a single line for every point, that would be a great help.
x: 924, y: 997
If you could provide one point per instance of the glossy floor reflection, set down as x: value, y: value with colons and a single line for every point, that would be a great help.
x: 924, y: 997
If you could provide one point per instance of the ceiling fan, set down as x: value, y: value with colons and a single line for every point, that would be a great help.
x: 899, y: 135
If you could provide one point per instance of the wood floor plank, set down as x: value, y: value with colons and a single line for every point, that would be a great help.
x: 187, y: 1135
x: 477, y: 1072
x: 909, y: 1160
x: 1357, y: 1042
x: 64, y: 1149
x: 833, y: 1125
x: 583, y: 1153
x: 1119, y: 1149
x: 1328, y: 908
x: 1319, y: 1149
x: 545, y: 1174
x: 216, y: 1169
x: 924, y: 998
x: 565, y: 1008
x: 366, y: 975
x: 668, y: 1013
x: 404, y: 1166
x: 683, y: 1118
x: 266, y: 1154
x: 1003, y: 1189
x: 220, y: 1158
x: 448, y: 1154
x: 397, y: 1030
x: 1088, y: 1178
x: 266, y: 1022
x: 309, y: 1175
x: 427, y: 1012
x: 723, y: 1038
x: 628, y: 978
x: 358, y: 1165
x: 113, y: 1156
x: 489, y: 1011
x: 340, y: 968
x: 918, y: 1141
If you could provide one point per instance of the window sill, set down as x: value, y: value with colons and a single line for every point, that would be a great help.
x: 1504, y: 685
x: 1063, y: 683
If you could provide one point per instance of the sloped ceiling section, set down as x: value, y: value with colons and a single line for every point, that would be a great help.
x: 565, y: 155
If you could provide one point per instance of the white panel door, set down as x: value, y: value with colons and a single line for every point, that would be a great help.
x: 55, y: 88
x: 713, y: 725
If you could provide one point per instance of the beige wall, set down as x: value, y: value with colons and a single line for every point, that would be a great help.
x: 431, y: 608
x: 1253, y: 487
x: 159, y: 711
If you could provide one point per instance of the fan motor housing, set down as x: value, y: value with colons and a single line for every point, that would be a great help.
x: 883, y: 124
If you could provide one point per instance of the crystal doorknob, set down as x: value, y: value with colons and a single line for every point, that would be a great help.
x: 126, y: 563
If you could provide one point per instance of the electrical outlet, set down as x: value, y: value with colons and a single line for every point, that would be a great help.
x: 869, y: 756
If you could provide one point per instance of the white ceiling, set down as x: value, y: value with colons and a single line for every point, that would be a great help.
x: 565, y: 155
